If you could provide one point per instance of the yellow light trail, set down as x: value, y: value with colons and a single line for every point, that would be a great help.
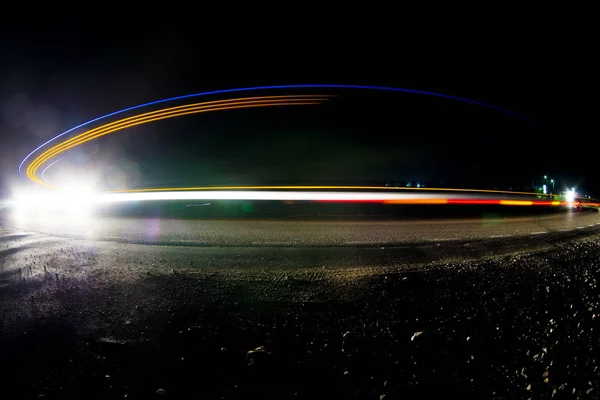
x: 417, y: 201
x: 168, y: 113
x: 104, y: 131
x: 153, y: 116
x: 187, y: 107
x: 516, y: 203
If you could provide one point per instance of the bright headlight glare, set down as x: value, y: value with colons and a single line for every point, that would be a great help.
x: 60, y: 201
x: 570, y: 196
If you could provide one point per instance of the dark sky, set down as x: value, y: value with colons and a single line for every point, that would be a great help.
x: 51, y: 80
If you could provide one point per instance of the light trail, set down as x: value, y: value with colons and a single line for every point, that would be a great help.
x: 449, y: 201
x: 46, y: 169
x: 325, y: 187
x: 176, y: 111
x: 274, y: 87
x: 291, y: 194
x: 523, y: 203
x: 76, y: 202
x: 161, y: 114
x: 321, y: 197
x: 164, y: 114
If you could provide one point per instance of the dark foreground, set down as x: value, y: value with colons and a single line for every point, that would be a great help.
x: 97, y: 320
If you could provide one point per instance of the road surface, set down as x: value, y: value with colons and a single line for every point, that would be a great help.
x: 504, y: 317
x: 311, y: 233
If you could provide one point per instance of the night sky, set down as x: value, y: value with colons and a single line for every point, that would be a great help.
x: 52, y: 80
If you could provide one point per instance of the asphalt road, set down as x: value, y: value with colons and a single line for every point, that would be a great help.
x: 501, y: 318
x: 309, y: 233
